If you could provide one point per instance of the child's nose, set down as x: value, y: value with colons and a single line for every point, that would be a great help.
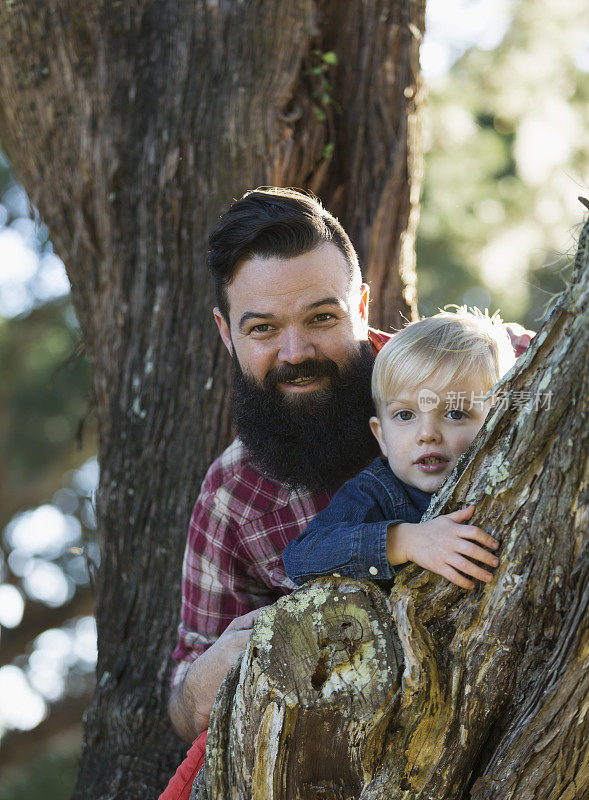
x: 428, y: 432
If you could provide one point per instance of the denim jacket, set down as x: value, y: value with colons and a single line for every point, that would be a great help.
x: 350, y: 535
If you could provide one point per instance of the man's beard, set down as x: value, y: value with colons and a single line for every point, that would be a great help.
x: 314, y: 440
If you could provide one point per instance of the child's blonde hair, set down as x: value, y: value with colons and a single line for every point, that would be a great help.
x: 449, y: 346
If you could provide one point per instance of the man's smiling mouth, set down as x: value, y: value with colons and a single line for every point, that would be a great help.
x: 302, y: 381
x: 310, y: 374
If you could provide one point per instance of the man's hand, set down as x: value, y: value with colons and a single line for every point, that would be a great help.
x: 520, y: 337
x: 191, y: 703
x: 441, y: 545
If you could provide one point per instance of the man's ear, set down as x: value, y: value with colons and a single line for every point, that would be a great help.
x: 377, y: 431
x: 364, y: 298
x: 224, y: 331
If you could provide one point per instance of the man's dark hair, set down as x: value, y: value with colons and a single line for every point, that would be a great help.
x: 279, y: 223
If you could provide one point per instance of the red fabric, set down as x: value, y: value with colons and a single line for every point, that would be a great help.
x: 378, y: 339
x: 180, y: 784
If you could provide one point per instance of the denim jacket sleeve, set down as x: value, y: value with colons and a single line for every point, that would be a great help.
x: 348, y: 537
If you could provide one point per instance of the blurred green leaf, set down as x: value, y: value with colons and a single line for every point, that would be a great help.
x: 327, y: 151
x: 330, y: 58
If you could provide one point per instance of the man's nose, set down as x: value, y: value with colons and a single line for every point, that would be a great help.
x: 428, y: 432
x: 295, y: 346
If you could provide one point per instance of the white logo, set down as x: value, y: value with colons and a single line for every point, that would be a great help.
x: 427, y: 400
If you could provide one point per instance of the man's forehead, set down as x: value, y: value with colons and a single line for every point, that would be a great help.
x: 324, y: 258
x: 321, y: 275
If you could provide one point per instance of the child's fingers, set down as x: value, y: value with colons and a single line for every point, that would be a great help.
x: 455, y: 577
x: 478, y: 535
x: 472, y: 550
x: 471, y: 531
x: 462, y: 514
x: 469, y: 568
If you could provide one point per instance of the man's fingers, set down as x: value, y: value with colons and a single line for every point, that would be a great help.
x: 466, y: 566
x: 462, y: 514
x: 240, y: 638
x: 228, y: 647
x: 246, y: 621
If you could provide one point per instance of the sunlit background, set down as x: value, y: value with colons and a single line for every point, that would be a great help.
x: 505, y: 132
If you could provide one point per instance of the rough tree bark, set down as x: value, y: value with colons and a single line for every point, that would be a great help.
x: 434, y: 693
x: 132, y: 124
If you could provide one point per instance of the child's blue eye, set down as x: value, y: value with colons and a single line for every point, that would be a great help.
x: 404, y: 416
x: 456, y: 414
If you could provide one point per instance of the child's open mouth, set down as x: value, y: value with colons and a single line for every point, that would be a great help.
x: 432, y: 463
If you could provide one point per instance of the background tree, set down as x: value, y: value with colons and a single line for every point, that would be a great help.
x: 131, y: 126
x: 435, y: 692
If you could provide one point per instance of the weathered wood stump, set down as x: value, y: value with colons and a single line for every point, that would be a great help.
x: 435, y: 692
x: 334, y: 699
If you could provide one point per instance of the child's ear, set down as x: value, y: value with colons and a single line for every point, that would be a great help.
x: 377, y: 431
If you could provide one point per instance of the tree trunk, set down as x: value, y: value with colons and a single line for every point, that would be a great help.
x: 132, y: 125
x: 433, y: 692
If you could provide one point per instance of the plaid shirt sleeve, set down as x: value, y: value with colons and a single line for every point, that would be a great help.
x: 232, y: 561
x: 211, y: 595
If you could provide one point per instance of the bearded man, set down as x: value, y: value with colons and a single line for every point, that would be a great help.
x: 293, y: 313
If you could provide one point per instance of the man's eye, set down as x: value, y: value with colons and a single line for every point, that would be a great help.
x: 263, y: 327
x: 457, y: 415
x: 404, y: 416
x: 323, y: 317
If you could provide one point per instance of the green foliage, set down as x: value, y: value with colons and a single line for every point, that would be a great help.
x: 321, y: 90
x: 5, y: 173
x: 330, y: 58
x: 43, y: 394
x: 328, y: 150
x: 505, y: 159
x: 49, y: 775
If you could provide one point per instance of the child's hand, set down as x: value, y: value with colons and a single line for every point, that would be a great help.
x: 441, y: 545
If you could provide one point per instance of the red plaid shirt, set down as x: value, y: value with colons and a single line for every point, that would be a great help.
x: 241, y: 523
